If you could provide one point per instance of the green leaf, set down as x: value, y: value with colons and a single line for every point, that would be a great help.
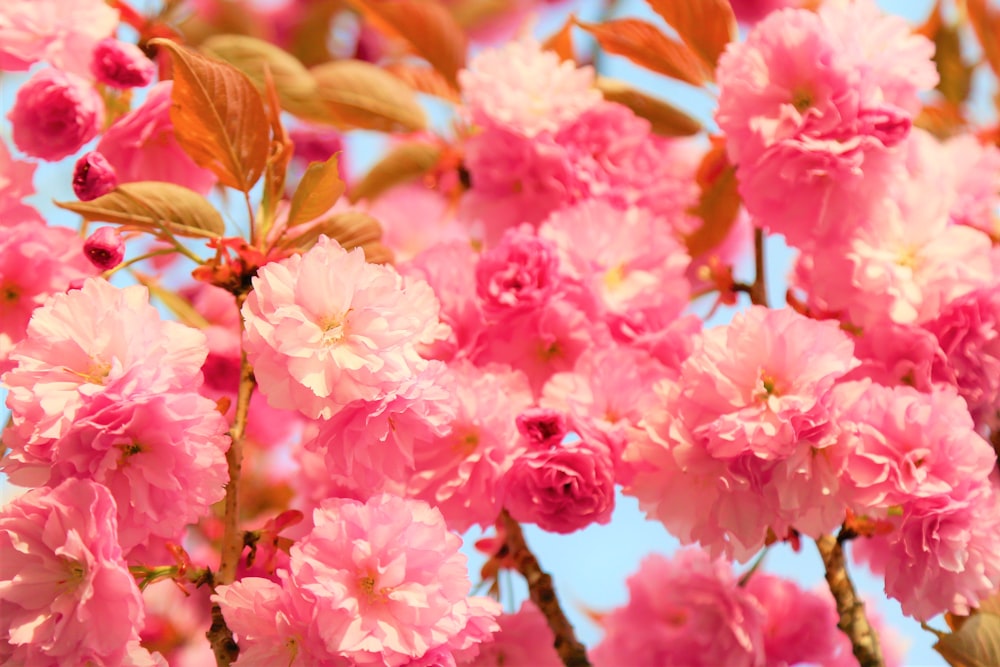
x: 153, y: 206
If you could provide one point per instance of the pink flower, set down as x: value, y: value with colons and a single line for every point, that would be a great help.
x: 15, y: 184
x: 326, y: 328
x: 415, y: 218
x: 54, y: 114
x: 523, y: 640
x: 944, y: 554
x: 91, y: 340
x: 688, y: 611
x: 105, y: 248
x: 977, y: 168
x: 739, y: 430
x: 525, y: 89
x: 810, y: 105
x: 799, y: 626
x: 517, y: 275
x: 461, y: 473
x: 379, y: 583
x: 315, y: 143
x: 54, y: 259
x: 563, y: 487
x: 93, y: 176
x: 162, y: 456
x: 904, y: 445
x: 751, y: 11
x: 62, y: 576
x: 542, y: 427
x: 141, y: 146
x: 121, y: 65
x: 61, y: 32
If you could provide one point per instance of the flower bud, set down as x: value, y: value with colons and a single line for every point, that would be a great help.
x: 121, y: 65
x: 93, y: 176
x: 105, y: 248
x: 542, y: 426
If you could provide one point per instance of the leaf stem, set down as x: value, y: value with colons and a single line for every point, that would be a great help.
x: 851, y: 610
x: 543, y: 594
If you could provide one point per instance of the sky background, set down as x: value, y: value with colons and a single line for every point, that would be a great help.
x: 590, y: 567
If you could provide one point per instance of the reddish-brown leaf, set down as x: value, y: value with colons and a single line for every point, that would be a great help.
x: 664, y: 118
x: 318, y: 191
x: 704, y: 25
x: 426, y: 25
x: 985, y: 20
x: 561, y: 41
x: 424, y: 80
x: 719, y: 202
x: 218, y: 117
x: 361, y: 95
x: 645, y: 45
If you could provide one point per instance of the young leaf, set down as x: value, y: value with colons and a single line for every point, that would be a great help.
x: 361, y: 95
x: 644, y: 44
x: 704, y: 25
x: 318, y: 191
x: 402, y: 163
x: 986, y: 23
x: 665, y: 119
x: 427, y: 26
x: 218, y: 117
x: 153, y: 206
x: 296, y: 87
x: 561, y: 42
x: 719, y: 202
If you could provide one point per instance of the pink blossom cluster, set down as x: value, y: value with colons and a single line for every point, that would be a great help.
x: 375, y: 583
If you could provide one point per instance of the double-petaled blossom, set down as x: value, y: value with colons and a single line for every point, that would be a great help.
x: 747, y: 433
x: 325, y: 328
x: 60, y: 32
x: 62, y: 576
x: 15, y: 184
x: 54, y: 114
x: 524, y: 639
x: 121, y: 65
x: 376, y: 583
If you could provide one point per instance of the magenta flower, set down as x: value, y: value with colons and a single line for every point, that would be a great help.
x: 93, y: 176
x: 121, y: 65
x: 54, y: 114
x: 105, y: 248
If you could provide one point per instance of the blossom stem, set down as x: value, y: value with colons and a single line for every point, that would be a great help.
x: 758, y: 290
x: 851, y: 610
x: 220, y: 636
x: 543, y: 594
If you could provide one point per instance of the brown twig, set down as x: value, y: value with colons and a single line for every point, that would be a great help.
x: 853, y: 621
x: 758, y: 290
x: 219, y: 634
x: 543, y: 594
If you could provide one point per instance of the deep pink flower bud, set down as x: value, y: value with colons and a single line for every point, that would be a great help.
x: 315, y: 143
x: 93, y: 176
x: 105, y: 248
x: 55, y: 114
x: 121, y: 65
x: 543, y: 427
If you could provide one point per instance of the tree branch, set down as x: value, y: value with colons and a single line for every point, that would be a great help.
x: 543, y: 594
x: 853, y: 621
x: 758, y: 290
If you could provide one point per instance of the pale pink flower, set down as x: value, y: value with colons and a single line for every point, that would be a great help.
x: 162, y: 457
x: 91, y: 340
x: 54, y: 114
x: 461, y: 473
x: 141, y: 146
x: 376, y: 583
x: 61, y: 32
x: 688, y: 611
x: 523, y: 640
x: 944, y: 554
x: 415, y: 218
x: 15, y: 184
x: 326, y: 328
x: 525, y: 89
x: 121, y: 65
x: 36, y: 261
x: 894, y: 354
x: 904, y: 445
x: 62, y: 576
x: 811, y: 104
x: 627, y: 257
x: 562, y: 487
x: 740, y: 429
x: 372, y: 443
x: 799, y: 626
x: 968, y: 332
